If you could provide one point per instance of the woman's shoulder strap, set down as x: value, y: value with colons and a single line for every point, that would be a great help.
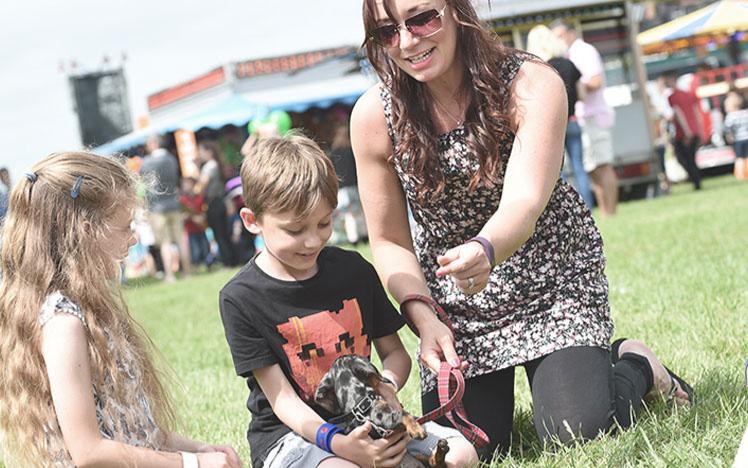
x: 512, y: 62
x: 57, y: 303
x: 386, y: 97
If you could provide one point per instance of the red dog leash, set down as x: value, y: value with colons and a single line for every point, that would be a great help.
x: 450, y: 383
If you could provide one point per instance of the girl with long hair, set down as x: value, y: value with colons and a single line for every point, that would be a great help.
x: 78, y: 386
x: 470, y: 135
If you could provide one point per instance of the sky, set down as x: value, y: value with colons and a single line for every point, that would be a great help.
x: 165, y: 42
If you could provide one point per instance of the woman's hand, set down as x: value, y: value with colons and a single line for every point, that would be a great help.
x: 438, y: 344
x: 359, y: 448
x: 468, y: 266
x: 231, y: 456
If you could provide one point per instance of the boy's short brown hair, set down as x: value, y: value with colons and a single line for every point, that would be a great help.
x: 288, y: 173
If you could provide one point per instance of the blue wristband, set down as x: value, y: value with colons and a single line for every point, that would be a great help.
x: 328, y: 440
x: 325, y: 432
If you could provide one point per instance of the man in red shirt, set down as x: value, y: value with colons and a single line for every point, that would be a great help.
x: 689, y: 128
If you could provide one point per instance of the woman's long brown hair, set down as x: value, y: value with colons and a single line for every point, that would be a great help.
x: 486, y: 119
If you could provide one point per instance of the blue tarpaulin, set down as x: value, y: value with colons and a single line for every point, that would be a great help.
x: 239, y: 109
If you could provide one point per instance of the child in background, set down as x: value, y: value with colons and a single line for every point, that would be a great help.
x: 139, y: 262
x: 145, y: 237
x: 297, y: 306
x: 78, y: 386
x: 196, y: 221
x: 736, y: 129
x: 242, y: 238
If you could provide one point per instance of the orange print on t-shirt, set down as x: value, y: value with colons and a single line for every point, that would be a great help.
x: 315, y: 341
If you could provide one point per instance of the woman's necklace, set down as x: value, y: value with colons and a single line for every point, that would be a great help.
x: 458, y: 122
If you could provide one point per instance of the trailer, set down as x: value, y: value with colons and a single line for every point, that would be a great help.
x: 612, y: 27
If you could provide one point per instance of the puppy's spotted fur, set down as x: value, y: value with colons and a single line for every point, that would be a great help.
x: 349, y: 381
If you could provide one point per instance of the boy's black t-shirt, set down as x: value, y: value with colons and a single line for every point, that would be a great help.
x: 303, y: 326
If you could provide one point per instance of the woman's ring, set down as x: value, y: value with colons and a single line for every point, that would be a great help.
x: 471, y: 282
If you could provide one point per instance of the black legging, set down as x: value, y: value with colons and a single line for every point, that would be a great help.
x: 575, y: 389
x: 219, y: 223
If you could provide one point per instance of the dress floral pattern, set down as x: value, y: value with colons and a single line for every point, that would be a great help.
x: 130, y: 424
x: 549, y: 295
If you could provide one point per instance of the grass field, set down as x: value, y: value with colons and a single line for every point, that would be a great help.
x: 678, y: 271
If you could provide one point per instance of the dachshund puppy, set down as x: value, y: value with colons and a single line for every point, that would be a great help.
x: 355, y: 391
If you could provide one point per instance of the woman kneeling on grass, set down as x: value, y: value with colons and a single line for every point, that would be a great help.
x: 77, y: 384
x: 470, y: 134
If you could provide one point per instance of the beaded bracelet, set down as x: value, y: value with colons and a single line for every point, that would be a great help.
x: 487, y: 248
x: 325, y: 432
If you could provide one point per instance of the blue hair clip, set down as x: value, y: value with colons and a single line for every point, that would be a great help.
x: 76, y: 187
x: 31, y: 176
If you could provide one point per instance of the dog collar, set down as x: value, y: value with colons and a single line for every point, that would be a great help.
x: 361, y: 411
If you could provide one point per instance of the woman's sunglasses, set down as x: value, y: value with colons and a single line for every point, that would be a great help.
x: 421, y: 25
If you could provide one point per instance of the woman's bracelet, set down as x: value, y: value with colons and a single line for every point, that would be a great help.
x: 325, y: 433
x: 189, y: 460
x: 487, y: 248
x: 429, y: 301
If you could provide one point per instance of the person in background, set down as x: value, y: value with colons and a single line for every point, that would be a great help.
x: 78, y: 383
x: 662, y: 115
x: 211, y: 185
x: 689, y: 128
x: 165, y: 211
x: 595, y: 116
x: 195, y: 222
x: 542, y: 42
x: 4, y: 192
x: 243, y: 240
x: 349, y: 210
x: 144, y: 235
x: 736, y: 130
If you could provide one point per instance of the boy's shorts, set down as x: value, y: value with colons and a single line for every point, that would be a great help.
x: 293, y: 451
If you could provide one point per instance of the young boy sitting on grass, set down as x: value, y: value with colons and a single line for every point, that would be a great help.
x: 297, y: 306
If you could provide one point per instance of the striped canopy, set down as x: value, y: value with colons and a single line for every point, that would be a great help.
x: 723, y: 17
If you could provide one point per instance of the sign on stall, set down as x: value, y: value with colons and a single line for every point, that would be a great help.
x: 187, y: 153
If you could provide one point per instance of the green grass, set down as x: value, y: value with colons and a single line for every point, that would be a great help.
x: 678, y: 271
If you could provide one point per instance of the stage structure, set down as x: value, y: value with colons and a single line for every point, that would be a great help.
x: 102, y: 105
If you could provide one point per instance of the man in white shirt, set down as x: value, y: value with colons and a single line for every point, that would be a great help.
x: 596, y: 118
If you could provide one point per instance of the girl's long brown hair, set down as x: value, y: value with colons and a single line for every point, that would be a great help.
x: 50, y: 243
x: 486, y: 119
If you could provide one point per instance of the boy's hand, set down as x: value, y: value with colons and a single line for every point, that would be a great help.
x: 359, y: 448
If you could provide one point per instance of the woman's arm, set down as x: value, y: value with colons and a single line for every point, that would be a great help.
x: 389, y: 232
x: 65, y: 351
x: 538, y: 110
x: 300, y: 418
